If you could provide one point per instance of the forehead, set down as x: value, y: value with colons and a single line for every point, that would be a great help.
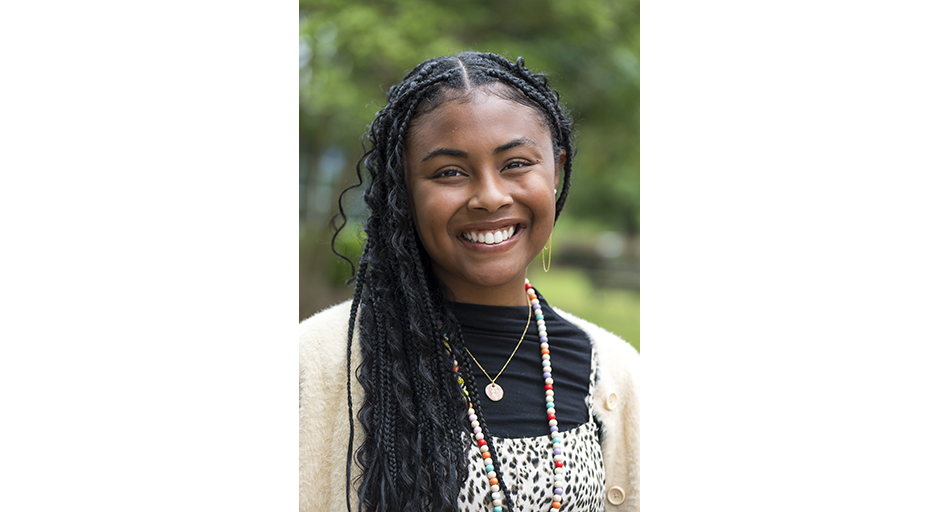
x: 478, y: 118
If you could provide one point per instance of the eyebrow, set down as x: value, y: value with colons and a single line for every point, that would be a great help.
x: 445, y: 152
x: 522, y: 141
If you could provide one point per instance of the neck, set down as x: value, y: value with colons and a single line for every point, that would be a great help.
x: 509, y: 294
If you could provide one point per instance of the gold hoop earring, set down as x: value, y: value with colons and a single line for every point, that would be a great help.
x: 544, y: 267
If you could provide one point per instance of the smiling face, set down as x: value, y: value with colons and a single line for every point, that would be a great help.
x: 480, y: 172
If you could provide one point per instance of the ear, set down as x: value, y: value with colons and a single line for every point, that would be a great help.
x: 559, y: 166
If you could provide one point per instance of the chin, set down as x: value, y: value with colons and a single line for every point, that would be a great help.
x: 495, y: 279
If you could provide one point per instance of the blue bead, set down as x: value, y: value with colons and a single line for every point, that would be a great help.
x: 497, y: 509
x: 489, y: 467
x: 539, y: 317
x: 549, y: 405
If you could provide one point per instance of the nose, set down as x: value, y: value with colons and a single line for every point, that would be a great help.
x: 490, y: 193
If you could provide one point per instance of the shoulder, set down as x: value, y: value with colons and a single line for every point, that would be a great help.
x: 329, y: 318
x: 618, y: 364
x: 323, y: 339
x: 323, y: 361
x: 611, y: 349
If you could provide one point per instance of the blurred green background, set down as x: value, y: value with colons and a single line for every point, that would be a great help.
x: 352, y: 51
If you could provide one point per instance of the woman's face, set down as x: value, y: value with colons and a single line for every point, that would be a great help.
x: 481, y: 175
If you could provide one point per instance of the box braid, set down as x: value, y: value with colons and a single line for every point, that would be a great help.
x: 413, y: 417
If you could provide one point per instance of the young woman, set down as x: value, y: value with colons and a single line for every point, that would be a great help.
x: 448, y: 383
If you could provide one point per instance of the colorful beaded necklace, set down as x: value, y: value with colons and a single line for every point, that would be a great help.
x: 559, y: 467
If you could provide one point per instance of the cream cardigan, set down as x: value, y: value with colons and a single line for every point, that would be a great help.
x: 324, y: 420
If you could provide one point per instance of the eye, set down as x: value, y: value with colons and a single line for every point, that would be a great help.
x: 518, y: 164
x: 449, y: 173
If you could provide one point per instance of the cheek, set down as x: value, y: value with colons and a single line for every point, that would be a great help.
x: 427, y: 218
x: 545, y: 197
x: 416, y: 206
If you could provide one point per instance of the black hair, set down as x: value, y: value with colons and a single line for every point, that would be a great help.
x: 414, y: 415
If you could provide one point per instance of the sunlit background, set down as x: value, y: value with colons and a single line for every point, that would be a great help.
x: 351, y: 52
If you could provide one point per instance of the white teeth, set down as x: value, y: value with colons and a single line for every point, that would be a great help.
x: 491, y: 237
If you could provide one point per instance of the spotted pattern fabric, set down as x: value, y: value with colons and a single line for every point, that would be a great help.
x: 528, y: 470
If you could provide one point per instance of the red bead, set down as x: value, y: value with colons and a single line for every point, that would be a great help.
x: 551, y: 416
x: 548, y: 386
x: 528, y: 286
x: 558, y: 464
x: 481, y: 442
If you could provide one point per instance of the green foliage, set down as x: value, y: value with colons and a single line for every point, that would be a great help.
x: 353, y: 50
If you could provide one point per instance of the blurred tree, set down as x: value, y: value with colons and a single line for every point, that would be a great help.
x: 351, y: 51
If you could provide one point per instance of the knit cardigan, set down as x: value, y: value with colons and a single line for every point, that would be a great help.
x: 324, y: 420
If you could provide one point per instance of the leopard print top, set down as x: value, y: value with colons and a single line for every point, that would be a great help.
x: 529, y: 472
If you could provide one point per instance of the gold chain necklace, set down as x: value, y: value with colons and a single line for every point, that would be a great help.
x: 493, y: 390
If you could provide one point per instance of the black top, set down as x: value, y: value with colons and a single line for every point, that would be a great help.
x: 491, y: 333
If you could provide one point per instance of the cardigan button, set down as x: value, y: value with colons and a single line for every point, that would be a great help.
x: 615, y: 495
x: 611, y: 401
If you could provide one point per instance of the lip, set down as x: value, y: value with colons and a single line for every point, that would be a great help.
x: 492, y: 226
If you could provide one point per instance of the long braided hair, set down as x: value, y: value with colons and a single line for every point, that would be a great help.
x: 414, y: 416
